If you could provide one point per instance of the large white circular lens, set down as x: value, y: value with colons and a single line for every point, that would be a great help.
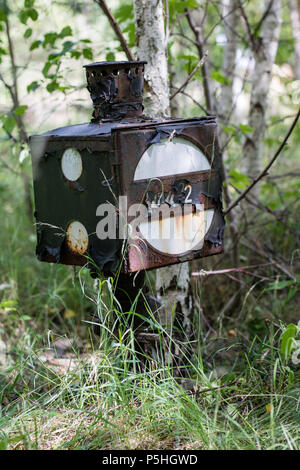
x: 176, y: 233
x: 71, y: 164
x: 170, y: 157
x: 77, y: 237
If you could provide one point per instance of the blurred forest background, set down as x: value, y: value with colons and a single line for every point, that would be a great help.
x: 62, y: 385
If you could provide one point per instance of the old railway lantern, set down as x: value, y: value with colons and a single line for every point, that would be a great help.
x: 126, y: 190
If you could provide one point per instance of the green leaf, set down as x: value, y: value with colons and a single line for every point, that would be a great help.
x: 28, y: 3
x: 75, y: 54
x: 50, y: 38
x: 19, y: 110
x: 245, y: 128
x: 238, y: 179
x: 52, y: 86
x: 130, y: 29
x: 87, y: 53
x: 66, y: 31
x: 33, y: 14
x: 190, y: 62
x: 279, y: 285
x: 32, y: 86
x: 9, y: 125
x: 3, y: 51
x: 23, y: 16
x: 110, y: 57
x: 67, y: 46
x: 35, y: 45
x: 177, y: 6
x: 2, y: 14
x: 8, y: 303
x: 124, y: 12
x: 46, y: 68
x: 229, y: 129
x: 28, y: 33
x: 219, y: 77
x: 286, y: 340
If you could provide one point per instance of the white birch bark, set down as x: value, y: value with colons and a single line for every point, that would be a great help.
x: 295, y: 21
x: 173, y: 282
x: 150, y: 37
x: 264, y: 56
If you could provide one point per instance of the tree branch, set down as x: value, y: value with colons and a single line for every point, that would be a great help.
x: 231, y: 270
x: 247, y: 25
x: 116, y: 28
x: 265, y: 170
x: 198, y: 35
x: 256, y: 203
x: 193, y: 100
x: 263, y: 17
x: 201, y: 62
x: 13, y: 90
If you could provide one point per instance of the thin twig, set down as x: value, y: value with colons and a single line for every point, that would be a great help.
x: 206, y: 390
x: 265, y: 170
x: 116, y: 28
x: 231, y: 270
x: 193, y: 99
x: 292, y: 174
x: 256, y: 203
x: 263, y: 18
x: 248, y: 28
x: 14, y: 88
x: 256, y: 248
x: 197, y: 30
x: 200, y: 63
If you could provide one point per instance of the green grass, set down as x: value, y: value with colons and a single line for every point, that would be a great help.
x: 102, y: 403
x: 238, y: 391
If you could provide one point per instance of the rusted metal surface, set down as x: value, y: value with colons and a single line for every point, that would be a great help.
x: 206, y: 187
x: 205, y: 183
x: 141, y: 256
x: 116, y: 89
x: 77, y: 237
x: 110, y: 149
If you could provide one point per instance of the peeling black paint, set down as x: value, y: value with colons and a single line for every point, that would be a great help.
x: 49, y: 241
x: 215, y: 233
x: 116, y: 89
x: 176, y: 129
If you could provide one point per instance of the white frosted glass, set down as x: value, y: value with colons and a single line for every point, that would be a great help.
x: 71, y: 164
x: 174, y: 235
x: 167, y: 158
x: 177, y: 235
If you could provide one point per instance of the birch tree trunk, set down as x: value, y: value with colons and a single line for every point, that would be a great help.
x: 264, y: 55
x: 173, y: 282
x: 295, y: 21
x: 150, y: 37
x: 225, y: 109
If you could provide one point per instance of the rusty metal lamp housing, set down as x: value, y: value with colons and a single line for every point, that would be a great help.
x: 155, y: 162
